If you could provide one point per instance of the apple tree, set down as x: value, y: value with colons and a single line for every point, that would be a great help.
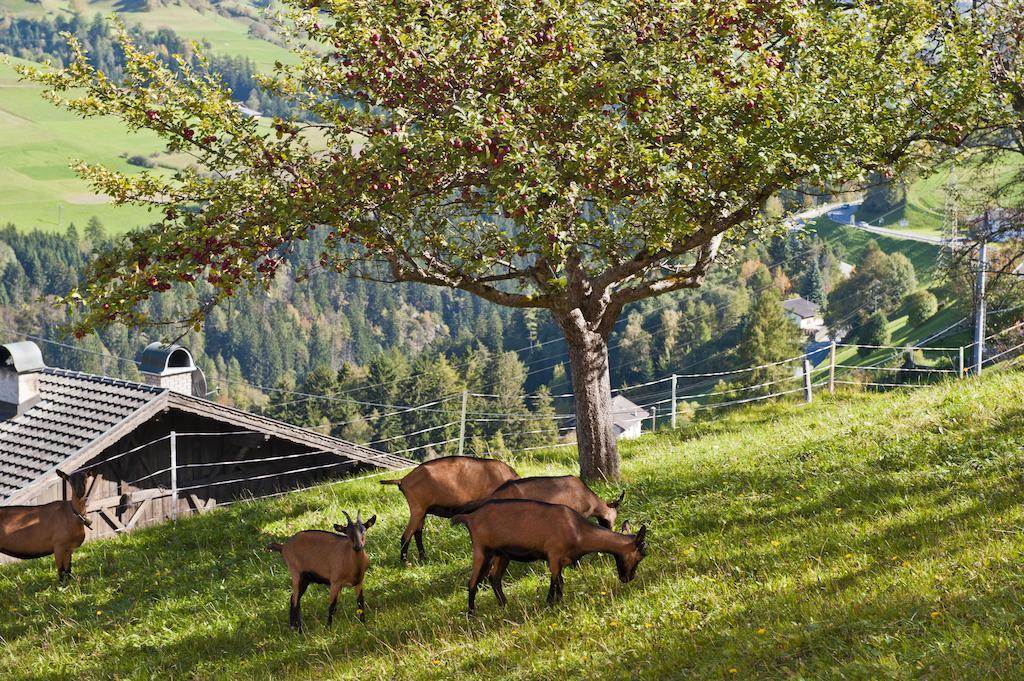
x: 570, y: 155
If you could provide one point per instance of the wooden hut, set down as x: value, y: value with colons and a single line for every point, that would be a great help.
x: 159, y: 449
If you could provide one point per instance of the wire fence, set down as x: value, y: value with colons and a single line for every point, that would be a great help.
x: 188, y: 483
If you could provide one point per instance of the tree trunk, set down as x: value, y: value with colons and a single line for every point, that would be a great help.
x: 591, y: 386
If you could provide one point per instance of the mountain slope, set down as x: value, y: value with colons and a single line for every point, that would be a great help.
x: 860, y: 537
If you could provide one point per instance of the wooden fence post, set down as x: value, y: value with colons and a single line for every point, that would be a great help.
x: 174, y: 476
x: 462, y: 423
x: 832, y: 369
x: 673, y: 401
x: 807, y: 381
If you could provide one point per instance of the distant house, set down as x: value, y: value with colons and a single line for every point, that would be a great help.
x: 806, y: 314
x: 627, y: 418
x: 246, y: 111
x: 126, y: 431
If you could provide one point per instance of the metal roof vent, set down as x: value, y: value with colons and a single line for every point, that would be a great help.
x: 172, y: 367
x: 20, y: 366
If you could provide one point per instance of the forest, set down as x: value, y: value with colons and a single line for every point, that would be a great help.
x: 374, y: 347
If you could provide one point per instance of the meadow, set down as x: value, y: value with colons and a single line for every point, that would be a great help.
x: 37, y: 144
x: 863, y: 536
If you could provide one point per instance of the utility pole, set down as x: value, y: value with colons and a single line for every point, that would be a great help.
x: 979, y: 299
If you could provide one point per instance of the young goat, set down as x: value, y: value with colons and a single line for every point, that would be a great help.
x: 567, y: 490
x: 327, y: 558
x: 56, y: 528
x: 444, y: 487
x: 526, y: 531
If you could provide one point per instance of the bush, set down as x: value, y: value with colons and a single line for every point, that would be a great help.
x: 921, y: 305
x: 875, y: 331
x: 141, y: 161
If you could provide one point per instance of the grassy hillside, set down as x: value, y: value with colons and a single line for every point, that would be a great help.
x: 38, y: 141
x: 926, y: 196
x: 861, y: 537
x: 196, y: 21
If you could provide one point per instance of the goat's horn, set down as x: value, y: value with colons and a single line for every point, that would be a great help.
x: 347, y: 517
x: 359, y: 517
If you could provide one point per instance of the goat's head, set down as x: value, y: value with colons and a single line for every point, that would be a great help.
x: 79, y: 483
x: 356, y: 531
x: 629, y: 559
x: 611, y: 512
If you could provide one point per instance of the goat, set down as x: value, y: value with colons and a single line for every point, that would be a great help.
x: 567, y: 490
x: 324, y: 557
x: 524, y: 530
x: 56, y: 528
x: 444, y: 487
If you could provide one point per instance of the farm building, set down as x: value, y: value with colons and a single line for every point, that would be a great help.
x: 129, y: 434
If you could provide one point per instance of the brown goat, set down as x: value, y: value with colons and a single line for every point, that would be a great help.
x: 526, y: 531
x: 324, y: 557
x: 444, y: 487
x: 56, y: 528
x: 567, y: 490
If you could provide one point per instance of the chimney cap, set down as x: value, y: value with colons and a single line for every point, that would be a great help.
x: 161, y: 360
x: 24, y: 357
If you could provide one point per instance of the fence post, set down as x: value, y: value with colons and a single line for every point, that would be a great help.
x: 960, y: 364
x: 832, y: 369
x: 673, y: 401
x: 654, y: 419
x: 174, y: 476
x: 807, y: 381
x: 462, y: 424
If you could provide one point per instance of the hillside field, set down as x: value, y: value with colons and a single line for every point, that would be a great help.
x: 38, y: 142
x: 860, y: 537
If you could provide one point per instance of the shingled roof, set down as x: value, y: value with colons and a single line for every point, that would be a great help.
x: 79, y: 415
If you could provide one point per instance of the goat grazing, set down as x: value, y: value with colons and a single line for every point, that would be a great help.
x: 56, y: 528
x: 444, y: 487
x: 526, y: 531
x: 327, y: 558
x: 567, y: 490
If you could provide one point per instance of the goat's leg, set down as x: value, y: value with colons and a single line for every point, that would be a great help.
x: 360, y: 604
x: 497, y: 573
x: 62, y: 559
x: 555, y: 589
x: 415, y: 526
x: 335, y: 588
x: 419, y: 542
x: 299, y: 584
x: 481, y: 563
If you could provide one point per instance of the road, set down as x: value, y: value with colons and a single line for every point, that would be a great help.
x: 843, y: 214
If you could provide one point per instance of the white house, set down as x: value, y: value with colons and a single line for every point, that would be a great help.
x: 804, y: 313
x: 627, y: 418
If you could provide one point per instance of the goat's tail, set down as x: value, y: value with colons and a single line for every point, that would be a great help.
x: 276, y: 547
x: 391, y: 482
x: 460, y: 519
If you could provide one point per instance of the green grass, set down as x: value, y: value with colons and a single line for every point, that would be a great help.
x: 860, y: 537
x: 851, y: 242
x: 38, y: 142
x: 926, y: 197
x: 226, y: 35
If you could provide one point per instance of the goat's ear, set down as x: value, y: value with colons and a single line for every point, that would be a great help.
x: 625, y: 527
x: 615, y: 504
x: 369, y: 523
x: 641, y: 538
x: 64, y: 476
x: 340, y: 528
